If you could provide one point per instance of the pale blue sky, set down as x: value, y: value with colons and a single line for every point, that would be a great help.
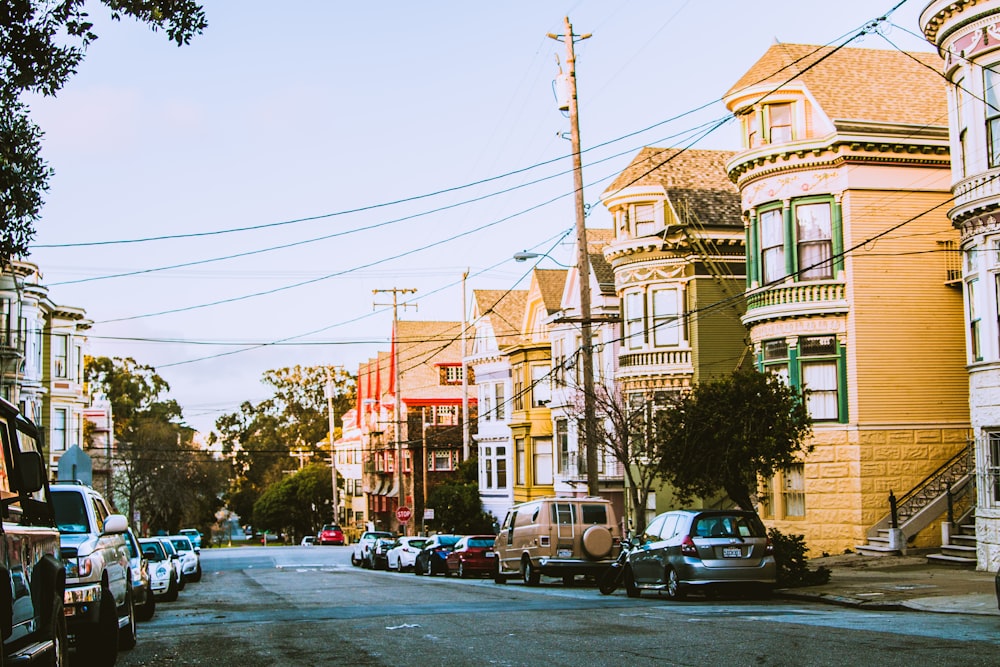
x: 322, y: 107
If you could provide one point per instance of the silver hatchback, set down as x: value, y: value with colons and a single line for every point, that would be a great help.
x: 686, y: 550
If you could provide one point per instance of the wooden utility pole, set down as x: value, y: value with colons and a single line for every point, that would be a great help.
x: 398, y: 418
x: 582, y: 265
x: 331, y: 392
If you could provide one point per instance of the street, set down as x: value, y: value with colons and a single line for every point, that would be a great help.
x: 308, y: 606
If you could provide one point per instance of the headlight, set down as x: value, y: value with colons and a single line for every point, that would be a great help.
x: 81, y: 567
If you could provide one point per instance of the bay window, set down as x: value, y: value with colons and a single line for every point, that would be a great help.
x: 634, y: 318
x: 779, y: 123
x: 813, y: 365
x: 665, y: 316
x: 645, y: 219
x: 815, y: 240
x: 542, y: 461
x: 975, y: 342
x: 991, y: 94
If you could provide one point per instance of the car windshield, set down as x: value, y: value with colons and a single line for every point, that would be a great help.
x: 153, y: 551
x: 71, y: 514
x: 168, y: 546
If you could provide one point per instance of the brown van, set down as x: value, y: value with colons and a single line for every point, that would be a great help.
x: 558, y: 537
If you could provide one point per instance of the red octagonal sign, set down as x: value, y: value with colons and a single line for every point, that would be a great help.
x: 404, y: 514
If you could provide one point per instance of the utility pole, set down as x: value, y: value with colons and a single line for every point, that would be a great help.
x: 398, y: 419
x: 582, y: 265
x: 465, y: 378
x: 331, y: 391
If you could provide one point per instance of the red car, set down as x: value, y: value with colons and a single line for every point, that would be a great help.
x: 331, y: 534
x: 473, y: 554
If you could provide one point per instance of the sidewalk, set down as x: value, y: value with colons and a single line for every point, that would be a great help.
x: 900, y: 582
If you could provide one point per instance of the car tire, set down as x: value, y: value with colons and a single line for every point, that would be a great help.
x: 354, y: 560
x: 171, y: 594
x: 631, y: 589
x: 462, y: 574
x: 99, y: 648
x: 499, y: 578
x: 674, y: 589
x: 196, y: 577
x: 417, y: 569
x: 146, y: 611
x: 530, y: 573
x: 58, y: 635
x: 430, y: 567
x: 597, y: 542
x: 127, y: 634
x: 182, y: 582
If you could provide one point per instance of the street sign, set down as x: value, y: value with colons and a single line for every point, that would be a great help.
x: 404, y: 514
x: 429, y: 514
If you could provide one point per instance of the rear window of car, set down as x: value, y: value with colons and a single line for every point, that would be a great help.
x: 594, y: 514
x: 448, y: 540
x: 153, y: 551
x: 728, y: 525
x: 481, y: 542
x: 329, y: 527
x: 418, y: 544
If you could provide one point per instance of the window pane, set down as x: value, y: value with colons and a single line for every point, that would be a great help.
x: 666, y: 327
x: 772, y: 240
x: 634, y: 315
x: 815, y: 241
x: 542, y: 467
x: 794, y: 492
x: 780, y: 116
x: 645, y: 220
x: 820, y: 379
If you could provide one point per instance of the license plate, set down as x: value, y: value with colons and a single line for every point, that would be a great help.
x: 732, y: 552
x: 490, y: 554
x: 565, y: 553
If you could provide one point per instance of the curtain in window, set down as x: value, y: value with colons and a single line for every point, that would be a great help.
x: 820, y: 378
x: 542, y: 464
x: 815, y: 241
x: 633, y: 319
x: 666, y: 329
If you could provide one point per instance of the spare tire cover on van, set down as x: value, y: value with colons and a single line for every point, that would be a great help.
x: 597, y: 542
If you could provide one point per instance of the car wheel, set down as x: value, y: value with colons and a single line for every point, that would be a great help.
x: 171, y: 594
x: 462, y: 574
x: 146, y: 611
x: 499, y: 577
x: 60, y: 641
x: 197, y: 574
x: 674, y: 589
x: 430, y: 567
x: 529, y: 573
x: 631, y: 589
x: 100, y: 647
x: 126, y: 635
x: 182, y: 581
x: 355, y: 561
x: 417, y: 568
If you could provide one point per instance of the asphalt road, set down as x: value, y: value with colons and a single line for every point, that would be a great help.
x: 295, y: 606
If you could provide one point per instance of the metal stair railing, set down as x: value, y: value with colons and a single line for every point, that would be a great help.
x: 936, y: 484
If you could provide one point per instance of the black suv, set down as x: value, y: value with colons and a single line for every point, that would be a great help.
x: 32, y: 579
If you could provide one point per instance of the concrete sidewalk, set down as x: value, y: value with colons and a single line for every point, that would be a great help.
x: 900, y: 582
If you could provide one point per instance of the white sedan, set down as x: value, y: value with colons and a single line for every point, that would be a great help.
x: 403, y: 554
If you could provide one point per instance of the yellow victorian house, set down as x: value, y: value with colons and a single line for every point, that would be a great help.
x: 531, y: 372
x: 844, y: 183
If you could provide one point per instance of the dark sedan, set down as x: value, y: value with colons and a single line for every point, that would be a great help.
x: 433, y: 558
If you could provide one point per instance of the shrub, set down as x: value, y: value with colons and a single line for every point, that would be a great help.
x: 790, y: 558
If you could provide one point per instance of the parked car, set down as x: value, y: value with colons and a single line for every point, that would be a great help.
x: 192, y: 534
x: 433, y: 557
x: 142, y: 588
x: 378, y: 555
x: 473, y: 555
x: 701, y: 549
x: 163, y: 577
x: 31, y: 571
x: 190, y: 557
x: 175, y: 561
x: 308, y: 541
x: 99, y: 603
x: 331, y: 534
x: 558, y: 537
x: 403, y: 553
x: 359, y: 555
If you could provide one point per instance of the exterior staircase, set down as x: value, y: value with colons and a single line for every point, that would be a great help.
x: 949, y: 487
x: 961, y: 549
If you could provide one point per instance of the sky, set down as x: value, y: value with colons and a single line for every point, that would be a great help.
x: 231, y: 206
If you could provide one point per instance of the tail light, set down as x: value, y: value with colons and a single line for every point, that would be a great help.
x: 768, y: 547
x: 616, y: 541
x: 688, y: 548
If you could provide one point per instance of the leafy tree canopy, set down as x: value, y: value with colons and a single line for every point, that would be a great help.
x: 727, y: 432
x: 42, y: 42
x: 298, y: 503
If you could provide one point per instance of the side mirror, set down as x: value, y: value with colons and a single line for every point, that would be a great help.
x: 115, y: 523
x: 29, y: 465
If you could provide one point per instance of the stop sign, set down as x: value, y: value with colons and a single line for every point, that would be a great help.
x: 404, y: 514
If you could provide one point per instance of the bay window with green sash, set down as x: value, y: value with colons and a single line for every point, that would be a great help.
x: 801, y: 238
x: 816, y: 364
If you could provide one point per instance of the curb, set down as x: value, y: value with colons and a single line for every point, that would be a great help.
x: 844, y: 601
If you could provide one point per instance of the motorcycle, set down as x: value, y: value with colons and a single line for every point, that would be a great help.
x: 611, y: 579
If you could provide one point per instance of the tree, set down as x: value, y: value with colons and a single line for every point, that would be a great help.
x: 158, y: 469
x: 626, y: 435
x: 41, y: 44
x: 727, y: 432
x: 296, y: 504
x: 457, y: 506
x: 259, y: 437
